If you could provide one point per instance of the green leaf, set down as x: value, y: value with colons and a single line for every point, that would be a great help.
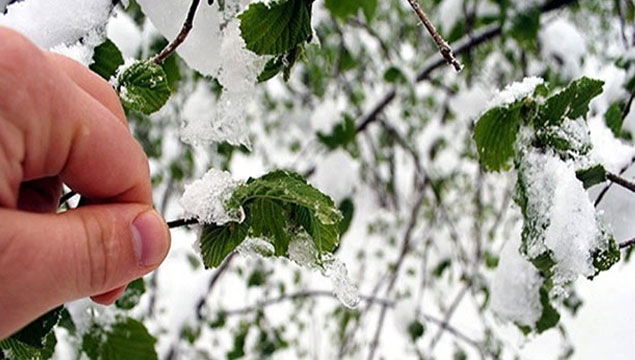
x: 272, y: 68
x: 127, y: 339
x: 143, y: 87
x: 342, y: 134
x: 277, y: 28
x: 12, y: 349
x: 550, y: 316
x: 608, y: 257
x: 131, y: 296
x: 36, y: 341
x: 325, y: 236
x: 290, y: 188
x: 347, y: 208
x: 348, y: 8
x: 613, y: 119
x: 416, y: 330
x: 495, y: 135
x: 277, y: 206
x: 106, y: 59
x: 591, y: 176
x: 217, y: 242
x: 35, y: 333
x: 572, y: 102
x: 394, y: 75
x: 491, y: 259
x: 525, y: 28
x: 268, y: 219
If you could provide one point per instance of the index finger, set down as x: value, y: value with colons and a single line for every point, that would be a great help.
x: 57, y: 128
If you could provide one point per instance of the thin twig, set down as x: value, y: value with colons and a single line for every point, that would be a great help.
x: 180, y: 38
x: 464, y: 45
x: 182, y: 222
x: 212, y: 283
x: 444, y: 48
x: 300, y: 295
x: 626, y: 244
x: 621, y: 181
x: 405, y: 247
x: 69, y: 195
x: 448, y: 315
x: 608, y: 186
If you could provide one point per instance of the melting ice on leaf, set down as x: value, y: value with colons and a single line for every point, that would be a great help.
x: 276, y: 207
x: 143, y: 87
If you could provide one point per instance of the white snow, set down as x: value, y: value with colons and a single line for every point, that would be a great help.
x: 516, y: 287
x: 613, y: 153
x: 302, y: 251
x: 515, y: 91
x: 558, y: 203
x: 205, y: 199
x: 60, y: 24
x: 573, y: 233
x: 125, y: 33
x: 214, y: 47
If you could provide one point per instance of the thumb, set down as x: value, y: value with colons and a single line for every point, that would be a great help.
x: 50, y: 259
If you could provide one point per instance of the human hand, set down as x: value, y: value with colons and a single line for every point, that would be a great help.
x: 61, y: 123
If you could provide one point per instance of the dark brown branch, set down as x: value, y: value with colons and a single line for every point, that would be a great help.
x: 607, y: 187
x: 465, y: 45
x: 626, y: 244
x: 444, y: 48
x: 180, y: 38
x: 182, y: 222
x: 69, y: 195
x: 212, y: 283
x: 621, y: 181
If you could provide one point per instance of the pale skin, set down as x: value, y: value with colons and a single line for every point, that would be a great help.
x: 61, y: 123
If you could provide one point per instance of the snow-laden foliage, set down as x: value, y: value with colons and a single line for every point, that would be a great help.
x: 404, y: 177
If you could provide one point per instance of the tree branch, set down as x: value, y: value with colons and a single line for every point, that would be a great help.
x: 180, y: 38
x: 464, y: 45
x: 300, y: 295
x: 621, y: 181
x: 626, y: 244
x: 444, y: 48
x: 405, y: 247
x: 182, y: 222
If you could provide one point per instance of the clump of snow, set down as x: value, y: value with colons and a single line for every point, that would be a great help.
x: 577, y: 134
x: 516, y: 287
x: 205, y: 199
x: 214, y: 47
x: 125, y: 33
x: 302, y: 251
x: 611, y: 152
x: 573, y: 233
x: 60, y: 24
x: 82, y: 51
x: 254, y: 247
x: 561, y: 215
x: 515, y: 91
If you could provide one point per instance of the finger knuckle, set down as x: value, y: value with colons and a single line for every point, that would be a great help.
x: 101, y: 249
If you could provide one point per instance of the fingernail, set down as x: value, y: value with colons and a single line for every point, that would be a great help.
x: 150, y: 239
